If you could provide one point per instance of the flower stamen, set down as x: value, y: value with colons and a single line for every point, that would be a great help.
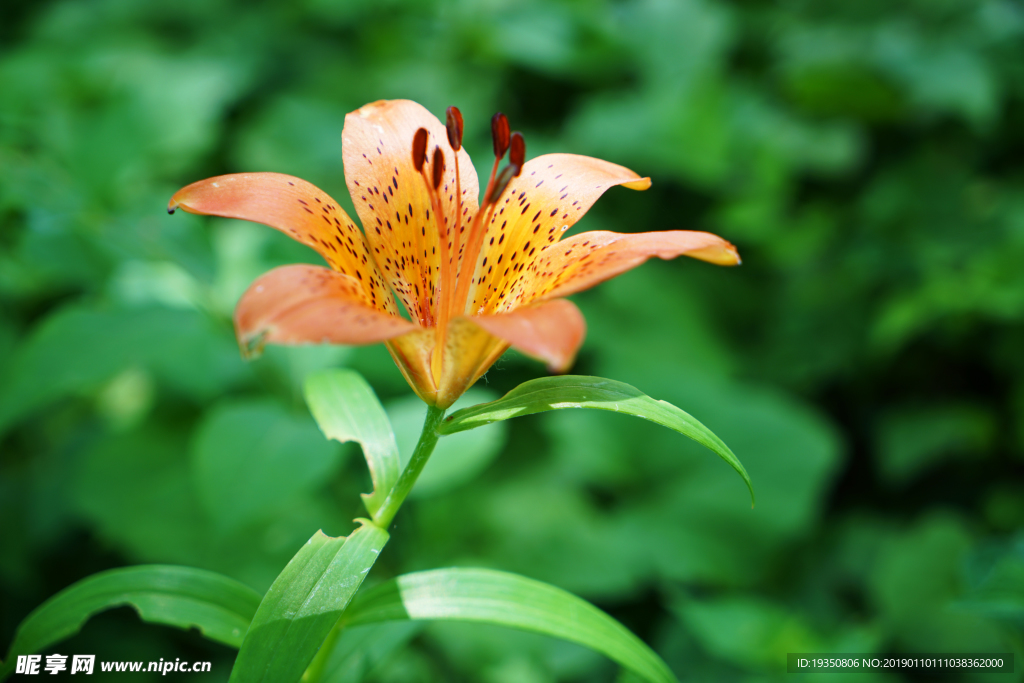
x: 500, y: 137
x: 432, y: 177
x: 454, y: 127
x: 442, y: 304
x: 437, y: 167
x: 516, y: 158
x: 453, y: 124
x: 499, y: 134
x: 419, y: 149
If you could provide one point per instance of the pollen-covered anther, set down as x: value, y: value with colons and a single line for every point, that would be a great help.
x: 499, y: 134
x: 419, y: 148
x: 516, y: 159
x: 517, y: 152
x: 437, y: 167
x: 454, y: 126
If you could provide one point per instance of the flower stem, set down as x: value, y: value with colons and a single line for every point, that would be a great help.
x: 425, y: 446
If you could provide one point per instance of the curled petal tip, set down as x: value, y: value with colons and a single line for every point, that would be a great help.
x: 720, y: 255
x: 181, y: 198
x: 638, y: 184
x: 251, y: 345
x: 561, y: 367
x: 718, y: 251
x: 732, y: 254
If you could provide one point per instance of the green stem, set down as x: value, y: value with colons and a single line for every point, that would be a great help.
x: 315, y: 671
x: 428, y: 439
x: 424, y: 448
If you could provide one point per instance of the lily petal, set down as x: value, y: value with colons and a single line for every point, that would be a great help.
x: 469, y: 351
x: 589, y: 258
x: 546, y: 199
x: 552, y: 331
x: 412, y: 354
x: 298, y: 209
x: 303, y: 304
x: 392, y: 200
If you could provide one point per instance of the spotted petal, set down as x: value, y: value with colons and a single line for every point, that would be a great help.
x: 392, y: 201
x: 589, y: 258
x: 549, y: 196
x: 303, y: 304
x: 298, y: 209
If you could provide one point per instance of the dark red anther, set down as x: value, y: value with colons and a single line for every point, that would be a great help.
x: 517, y: 152
x: 419, y: 149
x: 454, y: 126
x: 438, y: 167
x: 499, y: 133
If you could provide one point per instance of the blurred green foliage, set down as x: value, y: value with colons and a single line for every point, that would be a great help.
x: 865, y: 362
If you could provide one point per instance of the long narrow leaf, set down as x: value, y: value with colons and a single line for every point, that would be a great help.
x: 576, y: 391
x: 304, y: 604
x: 220, y: 607
x: 494, y: 597
x: 346, y: 409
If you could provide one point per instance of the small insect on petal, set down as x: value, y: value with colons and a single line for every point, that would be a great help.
x: 419, y: 148
x: 438, y: 167
x: 517, y: 153
x: 454, y: 126
x: 499, y: 134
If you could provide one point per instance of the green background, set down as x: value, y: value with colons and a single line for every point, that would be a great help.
x: 865, y: 362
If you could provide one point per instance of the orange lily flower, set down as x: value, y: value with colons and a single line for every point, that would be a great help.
x: 475, y: 274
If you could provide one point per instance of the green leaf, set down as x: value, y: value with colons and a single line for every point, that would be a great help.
x: 576, y: 391
x: 1000, y: 595
x: 304, y: 604
x: 346, y: 409
x: 494, y: 597
x: 77, y: 349
x: 220, y: 607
